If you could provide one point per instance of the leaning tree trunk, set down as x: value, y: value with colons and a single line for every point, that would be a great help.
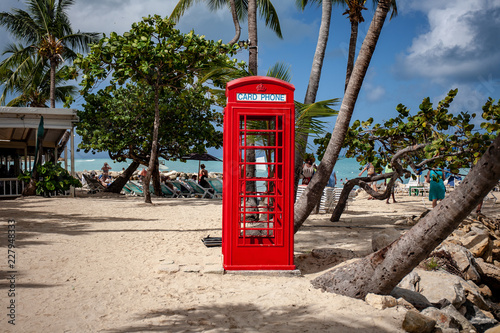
x: 117, y: 185
x: 352, y: 52
x: 363, y: 183
x: 314, y: 190
x: 381, y: 271
x: 252, y: 36
x: 154, y: 148
x: 312, y: 88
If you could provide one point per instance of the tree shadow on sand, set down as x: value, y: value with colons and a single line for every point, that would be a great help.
x: 248, y: 318
x: 30, y: 224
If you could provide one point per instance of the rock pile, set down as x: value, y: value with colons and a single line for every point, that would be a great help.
x: 456, y: 289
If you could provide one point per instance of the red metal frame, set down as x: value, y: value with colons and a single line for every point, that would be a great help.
x: 258, y: 207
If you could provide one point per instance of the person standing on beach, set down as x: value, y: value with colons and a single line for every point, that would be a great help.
x: 142, y: 174
x: 388, y: 169
x: 333, y: 179
x: 370, y: 171
x: 436, y: 189
x: 203, y: 177
x: 308, y: 169
x: 105, y: 171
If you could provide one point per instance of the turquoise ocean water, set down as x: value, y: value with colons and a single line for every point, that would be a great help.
x: 345, y: 167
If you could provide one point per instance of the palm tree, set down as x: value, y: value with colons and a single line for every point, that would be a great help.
x: 354, y: 10
x: 355, y: 16
x: 240, y: 10
x: 31, y: 85
x: 314, y: 190
x: 46, y: 31
x: 317, y: 65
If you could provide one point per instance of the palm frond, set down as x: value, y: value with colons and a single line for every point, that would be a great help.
x: 268, y: 12
x: 281, y: 71
x: 180, y: 9
x: 307, y: 122
x: 302, y: 4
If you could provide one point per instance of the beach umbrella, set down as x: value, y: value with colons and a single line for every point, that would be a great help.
x: 201, y: 157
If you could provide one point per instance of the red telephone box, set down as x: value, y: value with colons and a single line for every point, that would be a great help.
x: 259, y: 124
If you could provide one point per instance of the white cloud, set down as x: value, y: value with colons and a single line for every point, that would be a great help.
x: 374, y: 93
x: 461, y: 43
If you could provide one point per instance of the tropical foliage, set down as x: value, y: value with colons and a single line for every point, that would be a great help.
x: 439, y: 138
x: 31, y: 86
x: 119, y: 120
x: 52, y: 179
x: 47, y: 37
x: 156, y: 55
x: 432, y: 138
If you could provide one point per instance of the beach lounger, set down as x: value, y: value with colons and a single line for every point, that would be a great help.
x: 93, y: 184
x: 168, y: 192
x: 135, y: 188
x: 204, y: 192
x: 126, y: 190
x: 216, y: 184
x: 181, y: 189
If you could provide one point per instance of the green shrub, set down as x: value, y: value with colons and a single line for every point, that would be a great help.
x: 52, y: 178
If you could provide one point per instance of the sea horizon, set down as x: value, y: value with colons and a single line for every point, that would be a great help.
x: 344, y: 168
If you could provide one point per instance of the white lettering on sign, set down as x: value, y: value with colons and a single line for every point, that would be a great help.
x: 261, y: 97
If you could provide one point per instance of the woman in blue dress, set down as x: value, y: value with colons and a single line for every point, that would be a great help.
x: 437, y: 189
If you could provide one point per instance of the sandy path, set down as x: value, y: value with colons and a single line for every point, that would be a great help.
x: 92, y: 264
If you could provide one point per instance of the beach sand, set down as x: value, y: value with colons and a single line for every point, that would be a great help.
x: 107, y: 263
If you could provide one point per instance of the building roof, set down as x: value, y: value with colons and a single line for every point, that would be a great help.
x: 18, y: 127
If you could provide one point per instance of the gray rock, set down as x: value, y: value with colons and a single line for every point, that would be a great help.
x: 474, y: 237
x: 439, y: 285
x: 404, y: 304
x: 481, y: 320
x: 464, y: 260
x: 490, y: 274
x: 465, y: 324
x: 380, y: 301
x: 415, y: 322
x: 443, y: 320
x: 411, y: 281
x: 474, y: 295
x: 416, y: 299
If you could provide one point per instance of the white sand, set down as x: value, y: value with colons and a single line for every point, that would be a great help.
x: 92, y: 264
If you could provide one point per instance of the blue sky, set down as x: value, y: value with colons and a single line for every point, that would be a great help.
x: 429, y: 48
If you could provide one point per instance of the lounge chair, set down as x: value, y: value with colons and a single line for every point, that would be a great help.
x: 135, y: 188
x: 198, y: 189
x: 216, y: 184
x: 93, y: 184
x: 168, y: 192
x: 333, y: 199
x: 181, y: 189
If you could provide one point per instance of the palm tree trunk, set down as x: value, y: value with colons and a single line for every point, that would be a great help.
x: 312, y: 88
x: 352, y: 52
x: 154, y: 147
x: 236, y: 22
x: 252, y: 36
x: 381, y: 271
x: 53, y: 66
x: 314, y: 190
